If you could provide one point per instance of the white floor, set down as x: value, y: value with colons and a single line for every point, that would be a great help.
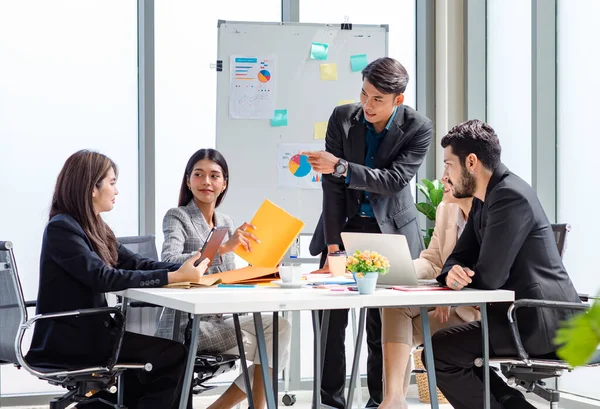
x: 303, y: 401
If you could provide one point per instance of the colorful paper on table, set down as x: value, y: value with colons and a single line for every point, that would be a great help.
x: 320, y: 130
x: 329, y: 72
x: 319, y: 51
x: 346, y: 102
x: 358, y: 62
x: 276, y: 229
x: 419, y: 288
x: 280, y: 118
x: 203, y: 282
x: 248, y: 275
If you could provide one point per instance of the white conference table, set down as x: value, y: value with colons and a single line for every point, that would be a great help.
x: 215, y: 300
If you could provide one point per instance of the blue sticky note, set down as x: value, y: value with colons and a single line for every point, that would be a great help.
x: 318, y: 51
x: 279, y: 118
x: 358, y: 62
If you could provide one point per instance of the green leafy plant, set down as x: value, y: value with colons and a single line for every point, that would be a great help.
x: 367, y: 262
x: 434, y: 193
x: 579, y: 336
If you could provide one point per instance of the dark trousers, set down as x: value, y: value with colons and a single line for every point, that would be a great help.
x: 334, y: 365
x: 454, y: 351
x: 159, y: 388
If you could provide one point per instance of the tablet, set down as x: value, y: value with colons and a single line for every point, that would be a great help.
x: 212, y: 244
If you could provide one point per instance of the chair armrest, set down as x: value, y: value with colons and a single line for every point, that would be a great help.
x: 512, y: 318
x: 30, y: 304
x: 83, y: 313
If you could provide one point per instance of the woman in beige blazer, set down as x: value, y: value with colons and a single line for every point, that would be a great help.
x: 401, y: 327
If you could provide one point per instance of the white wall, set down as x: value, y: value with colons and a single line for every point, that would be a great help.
x: 68, y: 81
x: 509, y: 81
x: 578, y: 147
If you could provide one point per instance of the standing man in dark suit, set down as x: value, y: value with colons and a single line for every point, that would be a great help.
x: 508, y: 244
x: 373, y: 150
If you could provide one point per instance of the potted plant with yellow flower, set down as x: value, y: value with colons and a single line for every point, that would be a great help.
x: 366, y: 266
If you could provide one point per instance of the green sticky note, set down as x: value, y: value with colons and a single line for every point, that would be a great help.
x: 279, y: 118
x: 358, y: 62
x: 318, y: 51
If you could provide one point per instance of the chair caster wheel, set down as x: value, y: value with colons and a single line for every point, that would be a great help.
x: 288, y: 400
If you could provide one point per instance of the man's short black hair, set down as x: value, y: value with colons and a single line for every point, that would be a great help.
x: 477, y: 137
x: 387, y: 75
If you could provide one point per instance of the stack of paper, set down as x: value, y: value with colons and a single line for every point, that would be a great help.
x: 206, y: 281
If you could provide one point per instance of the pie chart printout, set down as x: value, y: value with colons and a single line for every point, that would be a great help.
x: 294, y: 171
x: 264, y: 76
x: 299, y: 165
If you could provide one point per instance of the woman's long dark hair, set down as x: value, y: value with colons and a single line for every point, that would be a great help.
x: 185, y: 194
x: 83, y: 171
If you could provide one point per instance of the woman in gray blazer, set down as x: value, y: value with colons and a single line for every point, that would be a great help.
x: 186, y: 228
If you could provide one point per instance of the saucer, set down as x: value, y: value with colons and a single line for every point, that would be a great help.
x: 296, y: 284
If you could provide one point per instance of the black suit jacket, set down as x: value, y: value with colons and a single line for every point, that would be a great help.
x: 398, y: 158
x: 72, y: 277
x: 509, y: 243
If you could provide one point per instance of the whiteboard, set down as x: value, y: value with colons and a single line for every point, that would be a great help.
x: 252, y: 147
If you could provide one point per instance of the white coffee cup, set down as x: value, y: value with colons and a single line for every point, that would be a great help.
x: 290, y: 274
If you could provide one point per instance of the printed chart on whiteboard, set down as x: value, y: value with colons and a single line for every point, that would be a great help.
x: 293, y: 169
x: 253, y: 87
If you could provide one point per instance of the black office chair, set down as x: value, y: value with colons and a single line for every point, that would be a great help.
x: 14, y: 323
x: 530, y: 373
x: 142, y: 318
x: 207, y: 366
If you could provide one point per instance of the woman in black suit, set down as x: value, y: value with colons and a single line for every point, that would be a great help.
x: 80, y: 261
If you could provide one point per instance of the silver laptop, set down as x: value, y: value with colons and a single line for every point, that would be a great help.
x: 394, y: 247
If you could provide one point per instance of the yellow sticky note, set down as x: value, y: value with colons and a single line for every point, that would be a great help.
x: 346, y: 101
x: 320, y: 130
x: 329, y: 72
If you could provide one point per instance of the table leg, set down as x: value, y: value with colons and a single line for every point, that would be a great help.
x: 324, y: 332
x: 189, y: 369
x: 429, y: 364
x: 276, y: 357
x: 240, y: 342
x: 317, y: 361
x: 176, y: 324
x: 357, y: 347
x: 486, y: 356
x: 121, y: 382
x: 264, y: 361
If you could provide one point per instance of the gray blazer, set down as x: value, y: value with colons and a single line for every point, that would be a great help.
x: 398, y: 158
x: 185, y: 231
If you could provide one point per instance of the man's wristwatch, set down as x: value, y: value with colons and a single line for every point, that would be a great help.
x: 340, y: 168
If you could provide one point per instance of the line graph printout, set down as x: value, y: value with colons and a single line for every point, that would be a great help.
x: 253, y: 87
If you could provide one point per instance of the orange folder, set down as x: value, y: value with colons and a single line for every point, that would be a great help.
x: 276, y: 229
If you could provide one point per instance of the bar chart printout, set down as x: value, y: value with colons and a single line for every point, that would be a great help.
x: 253, y: 87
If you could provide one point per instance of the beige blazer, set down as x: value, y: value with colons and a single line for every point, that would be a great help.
x: 445, y: 234
x: 431, y: 260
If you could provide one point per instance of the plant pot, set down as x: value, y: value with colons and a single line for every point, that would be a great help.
x: 366, y: 283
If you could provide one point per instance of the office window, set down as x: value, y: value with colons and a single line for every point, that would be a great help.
x: 509, y: 81
x: 578, y: 87
x: 68, y: 81
x: 186, y: 90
